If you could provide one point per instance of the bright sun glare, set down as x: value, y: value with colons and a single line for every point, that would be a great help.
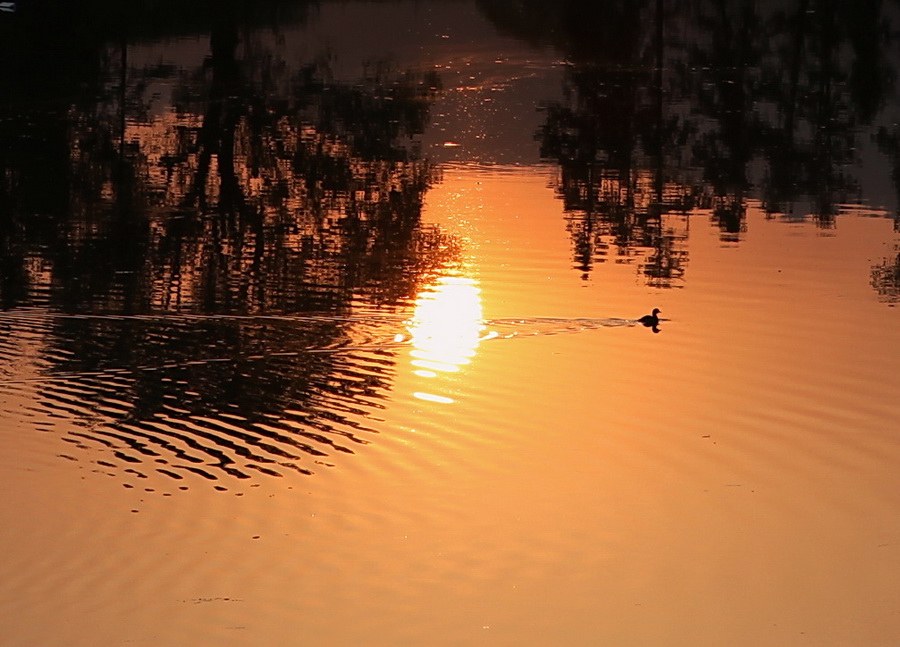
x: 445, y: 328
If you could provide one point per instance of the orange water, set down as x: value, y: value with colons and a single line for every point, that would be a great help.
x: 729, y: 480
x: 502, y: 456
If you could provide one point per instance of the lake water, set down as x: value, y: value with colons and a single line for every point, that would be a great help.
x: 319, y: 325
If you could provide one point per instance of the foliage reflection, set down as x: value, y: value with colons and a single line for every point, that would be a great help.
x: 211, y: 230
x: 699, y: 104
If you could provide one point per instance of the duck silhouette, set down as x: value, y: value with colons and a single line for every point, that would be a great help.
x: 651, y: 320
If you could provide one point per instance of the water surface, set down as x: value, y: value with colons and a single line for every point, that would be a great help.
x: 319, y: 326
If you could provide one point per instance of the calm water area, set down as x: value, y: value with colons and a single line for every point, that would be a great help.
x: 319, y: 323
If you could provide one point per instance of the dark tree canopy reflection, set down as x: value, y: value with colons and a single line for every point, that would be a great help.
x: 886, y: 279
x: 202, y: 236
x: 704, y: 104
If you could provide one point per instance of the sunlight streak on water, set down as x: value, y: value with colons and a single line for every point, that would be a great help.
x: 269, y: 282
x: 446, y: 328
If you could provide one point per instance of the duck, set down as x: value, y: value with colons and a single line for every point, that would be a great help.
x: 651, y: 320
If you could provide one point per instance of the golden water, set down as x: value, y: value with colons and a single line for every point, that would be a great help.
x: 500, y: 456
x: 729, y: 480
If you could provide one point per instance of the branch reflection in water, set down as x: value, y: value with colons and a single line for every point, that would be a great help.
x: 446, y: 328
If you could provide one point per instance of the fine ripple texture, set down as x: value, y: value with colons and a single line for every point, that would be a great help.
x: 217, y: 397
x: 195, y: 396
x: 287, y: 238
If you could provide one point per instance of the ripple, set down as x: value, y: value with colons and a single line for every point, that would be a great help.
x: 216, y: 397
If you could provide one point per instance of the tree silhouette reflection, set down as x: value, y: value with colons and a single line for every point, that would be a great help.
x: 705, y: 104
x: 885, y: 279
x: 201, y: 266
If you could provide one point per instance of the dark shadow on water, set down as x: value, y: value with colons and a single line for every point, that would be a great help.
x: 701, y: 105
x: 886, y: 280
x: 190, y: 245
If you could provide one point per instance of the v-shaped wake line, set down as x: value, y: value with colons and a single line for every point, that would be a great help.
x: 392, y: 332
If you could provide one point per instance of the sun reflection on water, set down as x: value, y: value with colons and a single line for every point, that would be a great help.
x: 446, y: 327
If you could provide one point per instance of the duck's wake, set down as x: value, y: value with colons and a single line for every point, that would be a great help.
x: 259, y: 337
x: 509, y: 327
